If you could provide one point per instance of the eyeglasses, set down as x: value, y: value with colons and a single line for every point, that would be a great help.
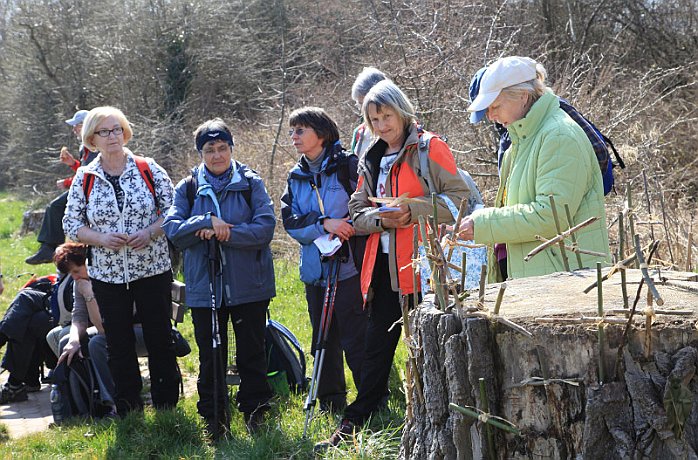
x: 106, y: 132
x: 299, y: 131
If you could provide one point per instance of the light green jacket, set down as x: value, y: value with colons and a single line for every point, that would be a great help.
x: 549, y: 155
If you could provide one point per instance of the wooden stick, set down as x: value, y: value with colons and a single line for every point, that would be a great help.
x: 631, y: 213
x: 570, y: 224
x: 689, y: 246
x: 563, y: 253
x: 626, y: 312
x: 648, y: 203
x: 601, y: 333
x: 582, y: 320
x: 483, y: 280
x: 685, y: 287
x: 649, y: 318
x: 463, y: 273
x: 621, y: 254
x: 453, y: 237
x: 491, y: 453
x: 486, y: 418
x: 435, y: 205
x: 577, y: 250
x: 439, y: 270
x: 415, y: 265
x: 500, y: 296
x: 645, y: 273
x: 560, y: 237
x: 615, y: 268
x: 664, y: 221
x: 417, y: 380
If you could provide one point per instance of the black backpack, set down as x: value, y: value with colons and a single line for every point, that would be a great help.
x: 284, y: 354
x: 75, y: 391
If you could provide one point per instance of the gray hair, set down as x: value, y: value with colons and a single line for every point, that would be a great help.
x: 533, y: 88
x: 366, y: 80
x: 387, y: 94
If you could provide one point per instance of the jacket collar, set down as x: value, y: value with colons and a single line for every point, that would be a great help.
x: 330, y: 162
x: 375, y: 152
x: 539, y: 111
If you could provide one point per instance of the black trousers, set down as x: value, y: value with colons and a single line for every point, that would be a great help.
x: 380, y: 344
x: 52, y: 226
x: 152, y: 297
x: 347, y: 333
x: 249, y: 322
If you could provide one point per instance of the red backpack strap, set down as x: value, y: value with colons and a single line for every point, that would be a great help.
x: 88, y: 182
x: 147, y: 175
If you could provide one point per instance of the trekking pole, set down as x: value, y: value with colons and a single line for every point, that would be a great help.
x: 213, y: 260
x: 321, y: 344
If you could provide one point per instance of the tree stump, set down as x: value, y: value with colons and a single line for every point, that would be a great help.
x: 637, y: 413
x: 31, y: 221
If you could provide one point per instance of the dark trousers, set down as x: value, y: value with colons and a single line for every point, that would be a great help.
x: 347, y: 333
x: 152, y: 297
x: 52, y: 227
x: 249, y: 322
x: 380, y: 344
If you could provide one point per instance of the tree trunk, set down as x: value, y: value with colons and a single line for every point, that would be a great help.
x: 629, y: 416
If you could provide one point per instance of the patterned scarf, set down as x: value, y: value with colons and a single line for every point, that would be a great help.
x: 219, y: 182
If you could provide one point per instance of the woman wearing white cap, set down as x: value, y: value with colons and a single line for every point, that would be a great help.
x: 549, y: 155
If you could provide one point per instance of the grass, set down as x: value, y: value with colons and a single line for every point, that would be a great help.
x: 179, y: 433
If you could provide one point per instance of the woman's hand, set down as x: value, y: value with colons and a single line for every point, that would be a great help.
x: 70, y: 349
x: 466, y: 231
x: 140, y: 239
x: 397, y: 219
x: 113, y: 241
x: 221, y: 228
x: 340, y: 227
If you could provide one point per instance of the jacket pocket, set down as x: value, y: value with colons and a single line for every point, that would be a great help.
x: 310, y: 266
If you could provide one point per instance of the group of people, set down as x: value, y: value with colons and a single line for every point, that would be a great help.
x: 222, y: 218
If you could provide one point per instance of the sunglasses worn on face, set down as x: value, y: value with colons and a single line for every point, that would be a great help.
x: 106, y: 132
x: 299, y: 131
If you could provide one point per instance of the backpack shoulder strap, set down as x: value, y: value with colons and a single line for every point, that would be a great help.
x: 620, y: 161
x: 423, y: 152
x: 87, y: 183
x: 147, y: 175
x: 347, y: 173
x: 191, y: 185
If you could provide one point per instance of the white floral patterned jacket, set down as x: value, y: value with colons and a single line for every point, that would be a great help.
x: 101, y: 213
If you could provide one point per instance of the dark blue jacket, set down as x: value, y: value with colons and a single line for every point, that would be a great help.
x: 300, y: 209
x: 247, y: 273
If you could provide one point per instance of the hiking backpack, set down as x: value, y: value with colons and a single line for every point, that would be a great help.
x: 285, y: 355
x: 143, y: 169
x: 75, y: 391
x: 474, y: 199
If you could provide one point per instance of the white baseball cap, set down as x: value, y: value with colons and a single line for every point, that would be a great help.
x: 505, y: 72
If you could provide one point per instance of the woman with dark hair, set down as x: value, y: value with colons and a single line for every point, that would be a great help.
x: 223, y: 211
x: 391, y: 168
x: 314, y: 207
x: 86, y: 322
x: 114, y: 209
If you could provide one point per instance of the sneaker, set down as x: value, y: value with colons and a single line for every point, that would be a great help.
x: 341, y: 434
x: 43, y: 256
x: 11, y: 393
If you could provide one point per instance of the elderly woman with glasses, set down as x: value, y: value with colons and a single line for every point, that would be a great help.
x: 222, y: 213
x: 550, y: 155
x: 314, y: 208
x: 115, y: 205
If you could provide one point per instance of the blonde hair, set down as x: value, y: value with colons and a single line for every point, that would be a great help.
x: 95, y: 117
x: 533, y: 88
x: 387, y: 94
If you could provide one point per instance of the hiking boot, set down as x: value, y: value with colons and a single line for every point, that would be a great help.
x: 255, y: 420
x: 13, y: 393
x: 43, y: 256
x: 218, y: 432
x: 341, y: 434
x: 33, y: 388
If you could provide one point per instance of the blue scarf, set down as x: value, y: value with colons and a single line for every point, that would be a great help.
x: 219, y: 182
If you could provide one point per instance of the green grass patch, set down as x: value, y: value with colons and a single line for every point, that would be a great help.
x: 180, y: 433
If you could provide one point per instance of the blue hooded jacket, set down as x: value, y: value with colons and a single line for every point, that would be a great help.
x: 301, y: 215
x: 247, y: 271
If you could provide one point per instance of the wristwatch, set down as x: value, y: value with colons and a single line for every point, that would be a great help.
x: 152, y: 234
